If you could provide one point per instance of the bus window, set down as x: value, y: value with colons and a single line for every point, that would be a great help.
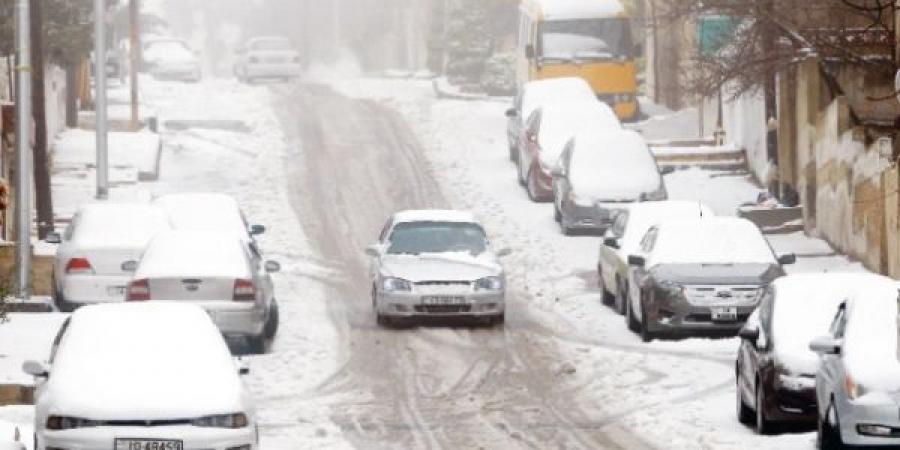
x: 586, y: 39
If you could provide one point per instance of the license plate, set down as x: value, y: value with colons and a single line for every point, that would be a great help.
x: 442, y: 300
x: 149, y: 444
x: 724, y: 314
x: 115, y: 291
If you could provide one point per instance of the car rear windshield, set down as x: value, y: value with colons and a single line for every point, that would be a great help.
x: 586, y: 39
x: 437, y: 237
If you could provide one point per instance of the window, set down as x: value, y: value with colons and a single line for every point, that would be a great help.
x: 649, y: 240
x: 839, y: 325
x: 600, y: 39
x: 385, y: 230
x: 56, y: 340
x: 413, y: 238
x: 619, y: 225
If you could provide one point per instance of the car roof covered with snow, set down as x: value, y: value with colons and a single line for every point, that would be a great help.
x: 575, y: 9
x: 644, y: 215
x: 204, y: 212
x: 140, y: 361
x: 870, y: 349
x: 713, y: 240
x: 612, y: 165
x: 194, y: 254
x: 434, y: 215
x: 560, y: 121
x: 804, y: 308
x: 539, y: 92
x: 117, y: 225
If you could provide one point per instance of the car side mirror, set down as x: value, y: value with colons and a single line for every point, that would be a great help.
x: 273, y: 266
x: 511, y: 113
x: 826, y: 345
x: 750, y: 334
x: 637, y: 261
x: 256, y: 230
x: 373, y: 250
x: 53, y: 238
x: 529, y: 51
x: 504, y: 252
x: 35, y: 369
x: 666, y: 170
x: 788, y: 259
x: 611, y: 242
x: 129, y: 266
x: 558, y: 171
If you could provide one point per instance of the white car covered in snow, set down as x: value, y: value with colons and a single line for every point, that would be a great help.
x: 267, y: 58
x: 141, y: 376
x: 172, y: 59
x: 858, y: 377
x: 436, y: 263
x: 207, y: 212
x: 101, y: 237
x: 216, y: 271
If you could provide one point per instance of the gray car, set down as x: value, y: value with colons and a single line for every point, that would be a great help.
x: 858, y: 379
x: 267, y: 58
x: 436, y: 263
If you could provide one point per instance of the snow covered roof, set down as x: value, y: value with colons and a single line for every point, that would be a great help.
x: 539, y: 92
x: 434, y: 215
x: 203, y: 212
x: 643, y: 215
x: 194, y: 254
x: 575, y: 9
x: 101, y: 367
x: 117, y: 225
x: 613, y: 165
x: 560, y: 121
x: 713, y: 240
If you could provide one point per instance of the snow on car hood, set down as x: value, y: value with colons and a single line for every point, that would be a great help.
x: 440, y: 266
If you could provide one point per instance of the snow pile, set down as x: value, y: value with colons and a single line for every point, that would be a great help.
x: 174, y: 254
x: 613, y: 166
x: 203, y: 212
x: 560, y: 121
x: 715, y: 240
x: 344, y: 66
x: 77, y: 149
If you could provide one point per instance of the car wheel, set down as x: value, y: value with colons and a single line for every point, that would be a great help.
x: 646, y: 334
x: 257, y: 344
x: 744, y: 413
x: 272, y: 323
x: 513, y: 152
x: 531, y: 186
x: 630, y: 320
x: 557, y: 214
x: 763, y: 426
x: 828, y: 436
x: 605, y: 295
x: 382, y: 320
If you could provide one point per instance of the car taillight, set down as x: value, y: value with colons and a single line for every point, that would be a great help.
x: 138, y: 291
x: 244, y: 291
x: 79, y: 265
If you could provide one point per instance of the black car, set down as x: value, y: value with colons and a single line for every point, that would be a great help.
x: 699, y: 276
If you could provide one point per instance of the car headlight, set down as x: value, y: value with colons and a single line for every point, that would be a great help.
x: 236, y: 420
x: 854, y: 390
x: 69, y: 423
x: 391, y: 284
x: 790, y: 382
x: 489, y: 284
x: 670, y: 288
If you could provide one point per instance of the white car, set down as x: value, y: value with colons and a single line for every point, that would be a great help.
x: 141, y: 376
x: 533, y: 95
x: 216, y: 270
x: 207, y: 212
x: 269, y: 58
x: 624, y: 236
x: 858, y: 377
x: 101, y: 237
x: 172, y: 59
x: 436, y: 263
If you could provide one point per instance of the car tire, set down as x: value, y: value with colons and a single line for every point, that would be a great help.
x: 630, y: 320
x: 257, y: 344
x: 744, y: 413
x: 620, y: 297
x: 382, y: 320
x: 513, y: 152
x: 557, y: 214
x: 271, y: 328
x: 762, y: 423
x: 646, y: 334
x: 605, y: 296
x: 828, y: 437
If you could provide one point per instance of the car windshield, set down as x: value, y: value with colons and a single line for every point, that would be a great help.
x: 437, y: 237
x: 586, y: 39
x: 273, y: 44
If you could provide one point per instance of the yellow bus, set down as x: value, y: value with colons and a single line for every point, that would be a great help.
x: 591, y: 39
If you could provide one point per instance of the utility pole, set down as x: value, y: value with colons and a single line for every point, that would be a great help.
x: 23, y: 149
x: 134, y: 16
x: 100, y: 98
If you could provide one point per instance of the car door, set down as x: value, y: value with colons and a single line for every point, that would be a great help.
x: 640, y: 276
x: 528, y: 145
x: 756, y: 356
x: 561, y: 184
x: 612, y: 262
x: 830, y: 374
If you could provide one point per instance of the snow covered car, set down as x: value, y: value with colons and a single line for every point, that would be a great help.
x: 536, y: 93
x: 858, y: 377
x: 547, y: 131
x: 213, y: 270
x: 624, y: 236
x: 172, y: 59
x: 699, y: 276
x: 776, y: 371
x: 207, y: 212
x: 267, y: 58
x: 436, y: 263
x: 147, y: 376
x: 88, y: 263
x: 598, y: 173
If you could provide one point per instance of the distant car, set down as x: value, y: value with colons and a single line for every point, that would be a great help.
x: 858, y: 376
x: 148, y: 376
x: 536, y: 93
x: 699, y: 276
x: 547, y: 131
x: 202, y: 211
x: 267, y: 58
x: 436, y: 263
x: 101, y: 237
x: 776, y: 370
x: 598, y: 173
x: 216, y: 271
x: 171, y: 59
x: 624, y: 236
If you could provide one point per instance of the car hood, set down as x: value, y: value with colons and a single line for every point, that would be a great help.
x: 443, y: 266
x: 737, y: 274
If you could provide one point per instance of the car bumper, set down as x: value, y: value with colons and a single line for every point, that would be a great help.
x: 592, y: 217
x: 411, y: 305
x: 193, y: 438
x: 273, y: 70
x: 854, y: 414
x: 236, y: 318
x: 90, y: 289
x: 677, y: 316
x: 795, y: 406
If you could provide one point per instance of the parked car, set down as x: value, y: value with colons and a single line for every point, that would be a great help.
x: 88, y: 264
x: 624, y: 236
x: 598, y: 173
x: 148, y: 376
x: 776, y: 371
x: 207, y: 212
x: 547, y: 130
x: 532, y: 95
x: 858, y: 377
x: 436, y: 263
x: 171, y: 59
x: 267, y: 58
x: 217, y: 271
x: 699, y: 276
